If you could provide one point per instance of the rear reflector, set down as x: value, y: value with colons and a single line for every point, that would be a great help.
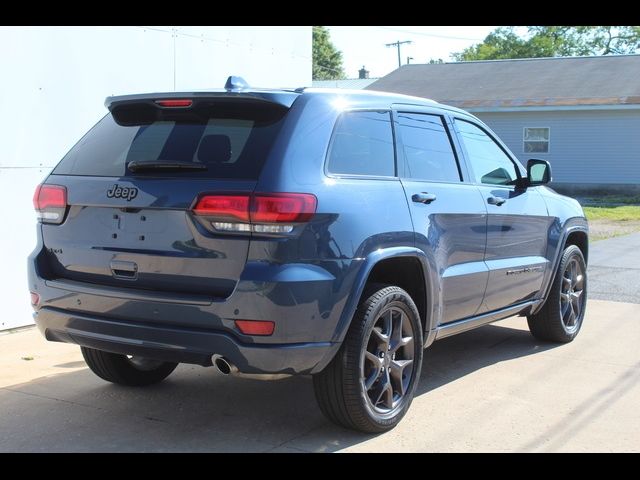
x: 256, y: 327
x: 174, y: 103
x: 50, y: 202
x: 35, y: 299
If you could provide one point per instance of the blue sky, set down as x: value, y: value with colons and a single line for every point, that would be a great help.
x: 366, y: 45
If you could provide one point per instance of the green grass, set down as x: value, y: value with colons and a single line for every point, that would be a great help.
x: 623, y: 213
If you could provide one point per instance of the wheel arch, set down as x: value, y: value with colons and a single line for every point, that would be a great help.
x: 385, y: 266
x: 576, y: 234
x: 376, y: 263
x: 579, y: 238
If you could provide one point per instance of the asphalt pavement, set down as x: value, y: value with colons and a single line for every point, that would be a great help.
x: 492, y: 389
x: 614, y: 269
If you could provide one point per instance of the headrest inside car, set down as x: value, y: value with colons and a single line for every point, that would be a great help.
x: 214, y: 149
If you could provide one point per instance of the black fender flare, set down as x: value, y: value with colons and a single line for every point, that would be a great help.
x: 569, y: 228
x: 431, y: 288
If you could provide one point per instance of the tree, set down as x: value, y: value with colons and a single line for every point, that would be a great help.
x: 554, y: 41
x: 608, y: 40
x: 327, y: 59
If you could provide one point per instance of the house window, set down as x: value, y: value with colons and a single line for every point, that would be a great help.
x: 536, y: 140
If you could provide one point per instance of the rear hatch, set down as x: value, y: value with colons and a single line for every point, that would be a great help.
x: 132, y: 182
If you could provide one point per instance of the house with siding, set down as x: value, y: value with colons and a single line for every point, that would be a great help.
x: 582, y: 114
x: 359, y: 83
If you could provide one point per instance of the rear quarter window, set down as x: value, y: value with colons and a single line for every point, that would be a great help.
x: 362, y: 144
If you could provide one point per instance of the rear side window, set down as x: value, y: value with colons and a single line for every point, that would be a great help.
x: 362, y: 144
x: 232, y: 142
x: 427, y: 148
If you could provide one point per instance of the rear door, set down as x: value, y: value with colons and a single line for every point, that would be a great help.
x: 132, y: 182
x: 517, y: 222
x: 449, y: 215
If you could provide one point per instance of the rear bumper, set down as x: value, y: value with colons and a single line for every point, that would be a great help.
x: 179, y: 344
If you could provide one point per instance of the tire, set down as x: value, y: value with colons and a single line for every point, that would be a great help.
x: 568, y: 295
x: 120, y: 369
x: 341, y: 388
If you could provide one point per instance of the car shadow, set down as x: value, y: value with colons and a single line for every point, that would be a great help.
x: 454, y: 357
x: 198, y: 409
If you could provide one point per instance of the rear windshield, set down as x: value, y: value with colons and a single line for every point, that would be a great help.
x: 232, y: 142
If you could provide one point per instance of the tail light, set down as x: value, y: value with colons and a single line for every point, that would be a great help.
x: 259, y: 213
x: 50, y: 202
x: 282, y: 208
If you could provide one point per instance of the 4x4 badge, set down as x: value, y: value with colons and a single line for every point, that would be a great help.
x: 122, y: 192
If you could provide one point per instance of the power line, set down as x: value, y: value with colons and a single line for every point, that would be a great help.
x: 175, y: 33
x: 397, y: 45
x: 429, y: 34
x: 328, y: 68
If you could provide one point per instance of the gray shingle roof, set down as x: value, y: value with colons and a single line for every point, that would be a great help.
x: 604, y: 80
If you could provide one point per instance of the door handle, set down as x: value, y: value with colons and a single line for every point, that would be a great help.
x: 423, y: 197
x: 121, y: 269
x: 497, y: 201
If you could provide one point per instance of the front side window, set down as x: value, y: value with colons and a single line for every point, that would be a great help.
x: 427, y: 148
x: 362, y: 144
x: 487, y: 160
x: 536, y: 140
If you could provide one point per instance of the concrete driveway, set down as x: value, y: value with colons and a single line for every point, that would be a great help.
x: 614, y: 269
x: 492, y: 389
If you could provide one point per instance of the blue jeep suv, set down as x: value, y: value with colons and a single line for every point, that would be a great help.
x: 326, y: 232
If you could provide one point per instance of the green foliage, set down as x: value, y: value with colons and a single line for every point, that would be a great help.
x: 554, y: 41
x: 327, y: 59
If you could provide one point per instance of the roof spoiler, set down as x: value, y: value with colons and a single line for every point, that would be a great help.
x: 282, y: 98
x: 235, y: 88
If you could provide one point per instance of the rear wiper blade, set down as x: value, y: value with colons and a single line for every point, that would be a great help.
x: 136, y: 166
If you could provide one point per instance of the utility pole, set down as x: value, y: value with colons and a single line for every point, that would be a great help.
x: 397, y: 45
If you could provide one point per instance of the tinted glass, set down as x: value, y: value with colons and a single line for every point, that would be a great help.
x: 427, y: 148
x: 488, y: 161
x: 362, y: 144
x: 232, y: 143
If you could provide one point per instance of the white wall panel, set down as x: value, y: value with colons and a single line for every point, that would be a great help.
x: 52, y: 88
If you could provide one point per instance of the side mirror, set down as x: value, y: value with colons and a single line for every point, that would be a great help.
x: 538, y: 172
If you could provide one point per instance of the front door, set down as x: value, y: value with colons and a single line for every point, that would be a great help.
x: 517, y: 222
x: 449, y: 216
